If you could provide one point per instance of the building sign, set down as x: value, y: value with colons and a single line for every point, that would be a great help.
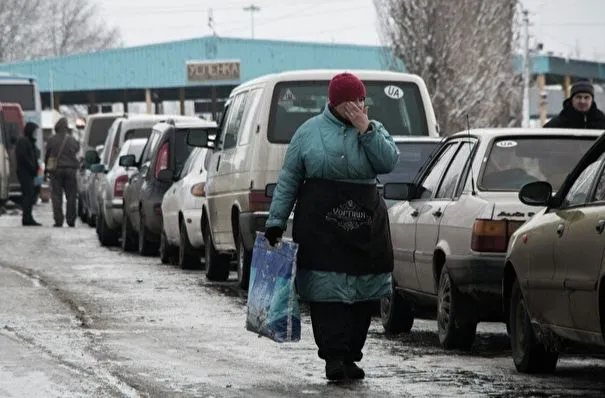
x: 199, y: 71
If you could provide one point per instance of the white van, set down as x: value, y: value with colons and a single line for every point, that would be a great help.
x: 259, y: 120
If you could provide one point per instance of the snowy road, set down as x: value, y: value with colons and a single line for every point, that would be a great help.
x: 77, y: 320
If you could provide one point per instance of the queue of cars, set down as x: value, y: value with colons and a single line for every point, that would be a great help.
x: 188, y: 190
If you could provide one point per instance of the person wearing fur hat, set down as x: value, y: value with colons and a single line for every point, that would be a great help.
x: 579, y: 110
x: 345, y: 256
x: 27, y: 170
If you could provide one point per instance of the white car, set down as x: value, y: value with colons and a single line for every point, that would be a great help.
x: 182, y: 240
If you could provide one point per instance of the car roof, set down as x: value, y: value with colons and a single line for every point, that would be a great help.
x: 133, y: 121
x: 490, y: 133
x: 414, y: 138
x: 185, y: 124
x: 327, y: 74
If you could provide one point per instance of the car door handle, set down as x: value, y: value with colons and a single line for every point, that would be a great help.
x: 414, y: 213
x: 600, y: 226
x: 437, y: 213
x: 560, y: 229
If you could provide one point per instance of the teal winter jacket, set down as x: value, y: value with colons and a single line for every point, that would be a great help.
x: 325, y: 147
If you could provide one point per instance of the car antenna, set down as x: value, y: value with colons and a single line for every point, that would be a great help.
x: 468, y: 133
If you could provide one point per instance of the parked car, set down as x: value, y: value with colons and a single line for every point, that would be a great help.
x: 259, y: 120
x: 181, y: 240
x: 413, y: 154
x: 553, y: 289
x: 451, y: 229
x: 111, y: 191
x: 163, y: 157
x: 93, y: 138
x: 99, y: 188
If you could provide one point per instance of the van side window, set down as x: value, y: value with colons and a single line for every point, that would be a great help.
x: 249, y: 115
x: 234, y: 121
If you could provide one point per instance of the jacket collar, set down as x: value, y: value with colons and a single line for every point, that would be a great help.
x: 330, y: 114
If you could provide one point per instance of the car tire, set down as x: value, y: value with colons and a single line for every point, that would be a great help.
x: 91, y: 219
x: 167, y: 251
x: 107, y: 236
x: 396, y: 314
x: 529, y: 353
x: 244, y: 261
x: 129, y: 236
x: 146, y: 246
x: 81, y: 212
x: 187, y: 258
x: 456, y: 325
x: 217, y: 264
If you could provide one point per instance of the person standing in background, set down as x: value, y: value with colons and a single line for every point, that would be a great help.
x: 62, y: 165
x: 27, y: 170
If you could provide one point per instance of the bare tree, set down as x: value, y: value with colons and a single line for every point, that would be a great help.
x: 33, y: 29
x: 463, y: 50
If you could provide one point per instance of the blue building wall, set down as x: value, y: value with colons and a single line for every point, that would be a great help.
x: 164, y: 65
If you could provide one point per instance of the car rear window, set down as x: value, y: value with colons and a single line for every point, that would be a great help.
x: 515, y: 161
x: 98, y: 130
x: 412, y: 156
x: 397, y: 105
x: 137, y: 133
x: 182, y: 149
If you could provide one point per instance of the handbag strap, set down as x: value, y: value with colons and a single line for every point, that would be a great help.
x: 61, y: 148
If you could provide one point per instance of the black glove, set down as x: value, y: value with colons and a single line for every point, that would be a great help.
x: 272, y: 234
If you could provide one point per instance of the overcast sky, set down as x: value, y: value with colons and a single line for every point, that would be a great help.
x: 563, y: 28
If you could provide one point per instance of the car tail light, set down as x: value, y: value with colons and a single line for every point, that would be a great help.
x: 120, y: 184
x: 492, y: 235
x: 258, y: 201
x: 162, y: 162
x: 198, y: 189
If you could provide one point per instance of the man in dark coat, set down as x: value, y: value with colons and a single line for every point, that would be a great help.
x: 63, y: 148
x: 579, y: 110
x: 27, y: 169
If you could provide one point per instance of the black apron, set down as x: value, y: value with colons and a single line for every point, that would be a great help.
x: 342, y: 227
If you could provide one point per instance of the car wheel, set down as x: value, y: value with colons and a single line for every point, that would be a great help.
x: 129, y: 237
x: 529, y: 354
x: 146, y: 247
x: 455, y: 323
x: 107, y: 236
x: 187, y: 258
x: 81, y: 212
x: 92, y: 220
x: 217, y: 265
x: 167, y: 251
x: 396, y: 314
x: 244, y: 261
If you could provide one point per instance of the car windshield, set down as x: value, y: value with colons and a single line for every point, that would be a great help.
x: 182, y: 149
x: 99, y: 130
x: 397, y: 105
x: 412, y: 156
x: 515, y: 161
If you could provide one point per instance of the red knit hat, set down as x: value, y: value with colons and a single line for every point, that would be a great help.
x: 345, y: 87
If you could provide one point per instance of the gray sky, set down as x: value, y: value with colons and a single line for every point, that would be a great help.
x: 564, y: 29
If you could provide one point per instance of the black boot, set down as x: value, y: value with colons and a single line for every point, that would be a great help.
x: 30, y: 223
x: 354, y: 372
x: 335, y: 370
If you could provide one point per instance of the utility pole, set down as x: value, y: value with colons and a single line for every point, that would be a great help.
x: 252, y: 8
x: 526, y: 71
x: 211, y: 21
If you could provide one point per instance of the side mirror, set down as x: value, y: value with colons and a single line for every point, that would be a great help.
x: 127, y: 161
x: 200, y: 137
x: 166, y: 175
x: 398, y: 191
x: 99, y: 148
x: 92, y: 157
x: 98, y: 168
x: 269, y: 190
x: 537, y: 193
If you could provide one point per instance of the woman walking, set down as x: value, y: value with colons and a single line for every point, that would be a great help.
x: 345, y: 255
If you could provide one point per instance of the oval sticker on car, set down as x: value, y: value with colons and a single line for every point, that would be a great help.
x: 393, y: 92
x: 506, y: 144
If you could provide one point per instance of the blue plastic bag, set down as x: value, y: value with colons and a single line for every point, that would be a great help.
x: 273, y: 309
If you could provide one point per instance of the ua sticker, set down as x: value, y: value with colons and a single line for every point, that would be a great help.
x: 393, y: 92
x: 506, y: 144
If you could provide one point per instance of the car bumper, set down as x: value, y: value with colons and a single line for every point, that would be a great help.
x: 250, y: 223
x: 113, y: 213
x: 479, y: 276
